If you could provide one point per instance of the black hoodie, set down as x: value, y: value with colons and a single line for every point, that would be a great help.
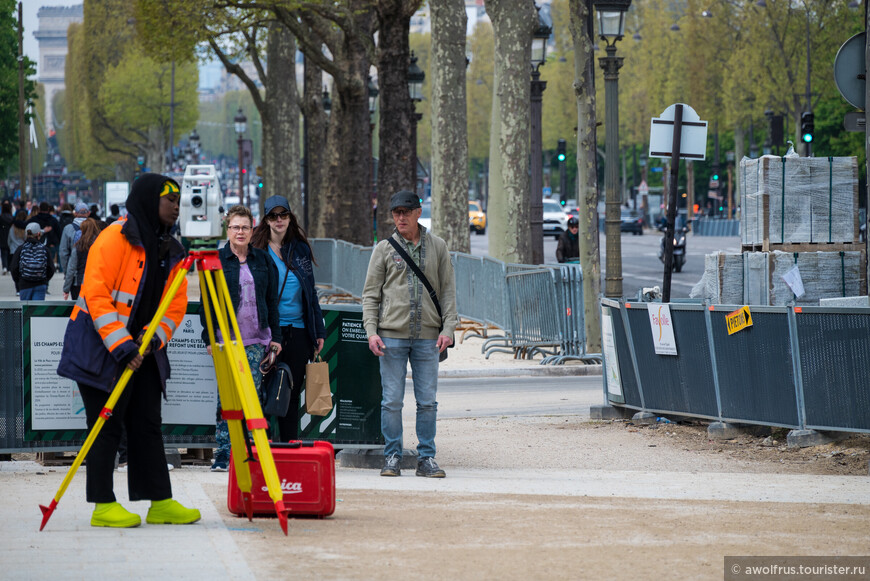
x: 143, y: 208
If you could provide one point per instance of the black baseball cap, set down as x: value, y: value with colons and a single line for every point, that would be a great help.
x: 404, y: 199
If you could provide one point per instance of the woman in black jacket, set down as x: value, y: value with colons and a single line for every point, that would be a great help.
x: 252, y: 281
x: 302, y: 328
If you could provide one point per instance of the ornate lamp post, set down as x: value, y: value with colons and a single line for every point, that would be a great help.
x: 536, y: 204
x: 416, y: 76
x: 611, y: 26
x: 327, y: 102
x: 241, y: 124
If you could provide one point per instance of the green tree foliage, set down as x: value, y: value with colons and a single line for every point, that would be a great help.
x: 9, y: 84
x: 731, y: 62
x: 479, y: 92
x: 119, y: 97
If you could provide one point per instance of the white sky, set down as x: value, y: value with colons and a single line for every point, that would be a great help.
x: 31, y: 23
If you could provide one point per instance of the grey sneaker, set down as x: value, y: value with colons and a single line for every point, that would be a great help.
x: 391, y: 466
x: 428, y: 468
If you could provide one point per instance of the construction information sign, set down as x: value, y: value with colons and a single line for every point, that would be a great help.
x: 662, y: 327
x: 738, y: 320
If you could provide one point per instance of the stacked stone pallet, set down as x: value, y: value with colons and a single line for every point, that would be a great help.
x: 799, y: 212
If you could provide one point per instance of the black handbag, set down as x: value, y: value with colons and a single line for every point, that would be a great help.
x: 277, y: 384
x: 432, y: 294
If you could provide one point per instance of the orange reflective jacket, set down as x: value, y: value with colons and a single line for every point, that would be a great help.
x: 97, y: 339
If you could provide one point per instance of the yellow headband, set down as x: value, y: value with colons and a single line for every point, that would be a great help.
x: 168, y: 188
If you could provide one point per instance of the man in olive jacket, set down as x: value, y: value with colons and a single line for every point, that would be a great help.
x: 403, y: 325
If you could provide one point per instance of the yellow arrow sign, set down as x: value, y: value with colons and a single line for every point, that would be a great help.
x: 738, y: 320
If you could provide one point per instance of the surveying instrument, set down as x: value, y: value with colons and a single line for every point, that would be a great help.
x: 238, y: 396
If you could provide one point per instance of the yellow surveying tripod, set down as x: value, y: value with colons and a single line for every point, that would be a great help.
x: 238, y: 395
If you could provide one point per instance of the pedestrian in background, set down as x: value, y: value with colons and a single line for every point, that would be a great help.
x: 6, y: 220
x: 302, y: 328
x: 568, y: 248
x: 252, y: 281
x: 32, y: 266
x: 70, y: 234
x: 403, y: 324
x: 115, y: 214
x: 130, y: 268
x: 75, y: 273
x: 49, y: 225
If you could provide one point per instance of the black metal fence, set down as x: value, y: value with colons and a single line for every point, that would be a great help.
x: 795, y: 367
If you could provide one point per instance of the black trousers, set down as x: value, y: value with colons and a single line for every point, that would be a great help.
x: 138, y: 410
x: 296, y: 350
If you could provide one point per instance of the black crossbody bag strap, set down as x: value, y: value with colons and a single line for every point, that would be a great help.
x: 413, y: 265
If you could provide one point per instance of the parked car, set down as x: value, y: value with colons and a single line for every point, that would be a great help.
x: 476, y: 217
x: 631, y: 222
x: 555, y: 219
x: 426, y: 216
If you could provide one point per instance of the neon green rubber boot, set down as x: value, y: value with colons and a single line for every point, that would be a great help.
x: 171, y: 512
x: 112, y: 514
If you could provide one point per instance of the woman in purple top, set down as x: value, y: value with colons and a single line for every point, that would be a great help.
x: 252, y: 279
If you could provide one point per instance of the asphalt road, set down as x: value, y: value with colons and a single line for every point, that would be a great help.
x: 641, y: 266
x: 487, y: 397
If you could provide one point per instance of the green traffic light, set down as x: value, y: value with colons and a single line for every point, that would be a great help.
x: 561, y: 157
x: 808, y: 137
x: 716, y: 177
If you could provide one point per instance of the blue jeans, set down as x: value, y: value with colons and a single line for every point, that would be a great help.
x: 36, y: 293
x: 423, y: 355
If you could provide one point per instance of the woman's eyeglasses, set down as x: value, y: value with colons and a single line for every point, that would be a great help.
x: 236, y: 228
x: 281, y: 215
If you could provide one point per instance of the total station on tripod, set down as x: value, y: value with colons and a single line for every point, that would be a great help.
x: 200, y: 211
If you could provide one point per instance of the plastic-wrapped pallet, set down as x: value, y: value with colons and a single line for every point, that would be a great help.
x: 756, y: 278
x: 723, y: 278
x: 823, y: 274
x: 808, y: 199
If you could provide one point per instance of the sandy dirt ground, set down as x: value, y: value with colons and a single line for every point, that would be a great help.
x: 509, y: 536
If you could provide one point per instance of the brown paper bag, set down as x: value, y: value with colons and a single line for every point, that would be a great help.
x: 318, y: 395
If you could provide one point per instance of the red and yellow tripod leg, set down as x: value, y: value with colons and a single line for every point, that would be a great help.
x: 231, y: 407
x: 244, y: 382
x: 106, y: 413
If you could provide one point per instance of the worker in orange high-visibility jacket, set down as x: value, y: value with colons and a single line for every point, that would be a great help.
x: 130, y: 267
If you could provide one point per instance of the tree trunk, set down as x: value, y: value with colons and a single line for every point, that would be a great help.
x: 396, y: 150
x: 449, y: 125
x: 587, y: 169
x: 280, y: 120
x: 513, y: 22
x: 316, y: 121
x: 346, y: 199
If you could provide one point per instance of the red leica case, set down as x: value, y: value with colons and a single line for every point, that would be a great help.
x: 306, y: 471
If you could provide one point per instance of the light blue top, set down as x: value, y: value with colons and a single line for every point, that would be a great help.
x: 290, y: 302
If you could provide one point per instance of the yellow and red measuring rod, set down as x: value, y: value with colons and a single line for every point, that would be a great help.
x: 239, y: 400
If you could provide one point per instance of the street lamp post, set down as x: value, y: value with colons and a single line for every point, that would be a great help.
x: 416, y: 76
x: 536, y: 202
x: 611, y: 26
x: 241, y: 123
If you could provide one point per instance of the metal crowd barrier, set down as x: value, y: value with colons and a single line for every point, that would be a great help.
x: 550, y: 323
x: 795, y: 367
x: 706, y: 227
